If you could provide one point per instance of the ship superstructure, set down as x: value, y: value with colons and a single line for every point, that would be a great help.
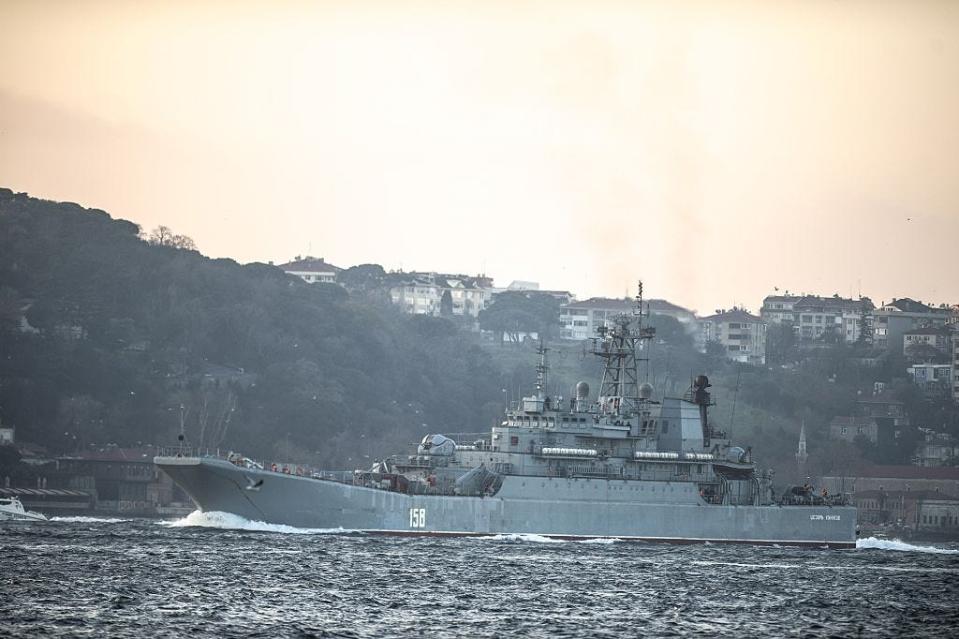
x: 619, y: 464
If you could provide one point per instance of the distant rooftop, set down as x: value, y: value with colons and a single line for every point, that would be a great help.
x: 735, y: 315
x: 442, y: 280
x: 907, y: 305
x: 826, y: 302
x: 928, y: 330
x: 925, y: 495
x: 907, y: 472
x: 625, y: 305
x: 310, y: 264
x: 834, y: 302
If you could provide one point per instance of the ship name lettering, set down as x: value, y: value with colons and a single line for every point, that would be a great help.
x: 816, y: 517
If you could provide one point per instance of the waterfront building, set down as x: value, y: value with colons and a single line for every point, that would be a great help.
x: 920, y: 510
x: 121, y: 480
x: 891, y: 478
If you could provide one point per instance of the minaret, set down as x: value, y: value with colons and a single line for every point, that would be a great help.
x: 801, y: 455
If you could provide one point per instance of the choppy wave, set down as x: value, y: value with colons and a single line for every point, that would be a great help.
x: 127, y: 579
x: 529, y: 537
x: 89, y: 520
x: 229, y: 521
x: 600, y: 540
x: 872, y: 543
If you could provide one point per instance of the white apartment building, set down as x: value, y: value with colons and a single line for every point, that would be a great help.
x: 579, y: 320
x: 422, y: 293
x: 742, y: 335
x: 814, y: 317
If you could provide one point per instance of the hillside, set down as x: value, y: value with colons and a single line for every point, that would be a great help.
x: 108, y: 338
x: 121, y: 334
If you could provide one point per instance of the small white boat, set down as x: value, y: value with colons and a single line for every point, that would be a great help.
x: 11, y: 508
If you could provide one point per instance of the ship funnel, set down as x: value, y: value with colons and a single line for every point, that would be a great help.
x: 701, y: 397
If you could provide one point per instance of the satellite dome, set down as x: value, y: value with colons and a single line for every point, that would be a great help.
x: 582, y: 390
x: 645, y: 390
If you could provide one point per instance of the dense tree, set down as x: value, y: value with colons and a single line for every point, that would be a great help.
x: 513, y: 313
x: 363, y: 277
x: 781, y: 343
x: 864, y: 339
x: 925, y: 354
x: 446, y: 304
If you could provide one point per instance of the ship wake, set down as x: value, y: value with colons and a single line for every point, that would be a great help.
x: 229, y: 521
x: 872, y: 543
x: 89, y: 520
x: 542, y: 539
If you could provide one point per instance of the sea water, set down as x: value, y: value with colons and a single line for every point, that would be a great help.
x: 218, y: 575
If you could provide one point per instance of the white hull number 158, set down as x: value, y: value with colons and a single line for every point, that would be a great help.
x: 417, y: 518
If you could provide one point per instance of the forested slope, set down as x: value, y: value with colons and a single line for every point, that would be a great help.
x: 108, y: 338
x: 120, y: 334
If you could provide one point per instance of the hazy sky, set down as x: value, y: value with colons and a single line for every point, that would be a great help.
x: 715, y: 149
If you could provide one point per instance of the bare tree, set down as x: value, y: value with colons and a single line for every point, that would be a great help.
x: 164, y: 236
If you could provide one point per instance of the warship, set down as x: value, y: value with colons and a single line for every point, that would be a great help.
x: 618, y: 465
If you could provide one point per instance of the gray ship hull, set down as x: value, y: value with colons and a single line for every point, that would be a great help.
x: 567, y: 508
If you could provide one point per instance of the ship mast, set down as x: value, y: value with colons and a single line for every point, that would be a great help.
x: 616, y: 344
x: 542, y: 372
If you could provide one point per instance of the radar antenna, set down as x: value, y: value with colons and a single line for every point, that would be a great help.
x: 616, y: 343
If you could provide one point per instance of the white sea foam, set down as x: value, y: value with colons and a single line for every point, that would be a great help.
x: 538, y: 539
x: 229, y: 521
x: 871, y: 543
x: 599, y: 540
x: 89, y: 520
